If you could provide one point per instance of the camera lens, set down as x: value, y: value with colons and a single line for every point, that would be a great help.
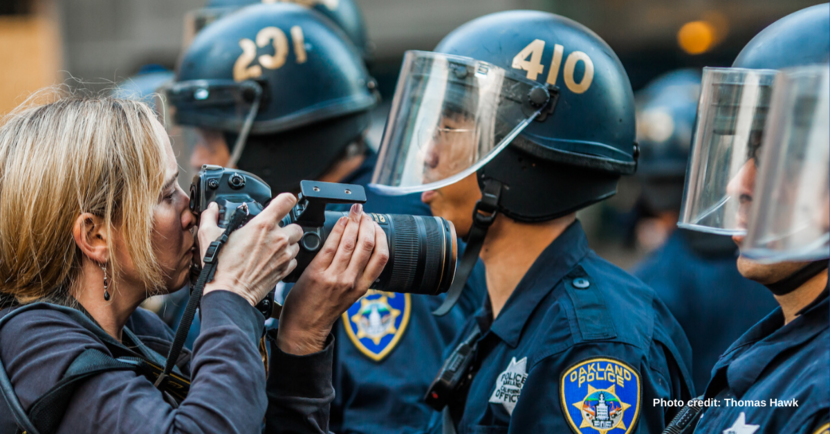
x: 422, y: 253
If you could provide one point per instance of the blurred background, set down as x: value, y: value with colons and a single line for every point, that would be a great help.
x: 102, y: 42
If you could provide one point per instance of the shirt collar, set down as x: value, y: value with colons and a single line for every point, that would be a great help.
x: 769, y: 338
x: 550, y: 267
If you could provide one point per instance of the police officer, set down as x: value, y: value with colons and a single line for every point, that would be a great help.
x: 513, y: 123
x: 774, y: 378
x: 686, y: 270
x: 291, y: 96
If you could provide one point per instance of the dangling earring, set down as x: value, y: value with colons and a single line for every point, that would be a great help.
x: 106, y: 292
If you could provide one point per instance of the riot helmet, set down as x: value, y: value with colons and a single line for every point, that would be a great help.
x: 344, y: 13
x: 732, y: 114
x: 530, y: 101
x: 665, y: 118
x: 281, y: 85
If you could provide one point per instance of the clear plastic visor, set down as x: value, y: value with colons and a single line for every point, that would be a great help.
x: 790, y: 215
x: 450, y: 116
x: 720, y: 175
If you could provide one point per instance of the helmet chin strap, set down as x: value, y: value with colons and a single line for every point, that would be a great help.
x: 475, y: 240
x: 800, y: 277
x: 246, y: 127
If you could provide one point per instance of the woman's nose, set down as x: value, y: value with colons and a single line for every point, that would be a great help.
x: 188, y: 219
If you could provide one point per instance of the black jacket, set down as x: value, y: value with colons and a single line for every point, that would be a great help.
x: 228, y: 392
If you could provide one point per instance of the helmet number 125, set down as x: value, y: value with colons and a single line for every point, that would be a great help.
x: 243, y: 68
x: 534, y: 66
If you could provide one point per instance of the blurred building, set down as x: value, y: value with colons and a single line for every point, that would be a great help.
x: 30, y: 50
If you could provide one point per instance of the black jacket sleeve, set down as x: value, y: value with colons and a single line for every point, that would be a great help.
x: 227, y: 394
x: 300, y: 391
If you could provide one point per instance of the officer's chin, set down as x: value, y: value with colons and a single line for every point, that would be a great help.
x: 767, y: 274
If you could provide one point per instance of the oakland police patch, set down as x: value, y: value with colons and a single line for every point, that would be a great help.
x: 376, y: 323
x: 601, y: 395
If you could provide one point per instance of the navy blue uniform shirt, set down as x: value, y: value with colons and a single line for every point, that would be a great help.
x: 774, y: 379
x: 701, y: 293
x: 389, y: 346
x: 580, y: 346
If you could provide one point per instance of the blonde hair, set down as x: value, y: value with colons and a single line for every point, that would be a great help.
x: 75, y: 154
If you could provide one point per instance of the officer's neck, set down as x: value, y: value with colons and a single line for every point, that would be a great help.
x: 342, y: 168
x: 510, y: 249
x: 797, y: 300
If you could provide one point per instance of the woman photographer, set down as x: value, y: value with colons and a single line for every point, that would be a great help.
x: 92, y: 219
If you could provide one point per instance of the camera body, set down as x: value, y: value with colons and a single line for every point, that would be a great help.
x: 422, y: 250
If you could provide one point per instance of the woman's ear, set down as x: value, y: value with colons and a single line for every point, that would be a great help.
x: 91, y: 237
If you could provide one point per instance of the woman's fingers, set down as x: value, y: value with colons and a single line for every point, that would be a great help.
x: 363, y: 250
x: 278, y: 208
x: 294, y: 233
x: 379, y: 258
x: 329, y: 249
x: 210, y: 217
x: 348, y: 241
x: 208, y: 230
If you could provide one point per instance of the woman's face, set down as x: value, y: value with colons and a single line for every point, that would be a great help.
x: 172, y: 236
x: 173, y: 225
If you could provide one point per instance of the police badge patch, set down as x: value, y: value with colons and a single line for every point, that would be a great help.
x: 601, y: 395
x: 509, y: 385
x: 376, y: 323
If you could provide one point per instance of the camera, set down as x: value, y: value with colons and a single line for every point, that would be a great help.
x: 422, y: 249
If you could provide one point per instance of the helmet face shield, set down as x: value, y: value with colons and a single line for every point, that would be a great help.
x: 720, y: 175
x: 450, y: 116
x: 791, y: 208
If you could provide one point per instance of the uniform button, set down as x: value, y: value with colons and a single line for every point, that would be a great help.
x: 581, y: 283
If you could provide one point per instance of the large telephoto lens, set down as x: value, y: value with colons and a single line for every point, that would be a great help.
x: 422, y: 252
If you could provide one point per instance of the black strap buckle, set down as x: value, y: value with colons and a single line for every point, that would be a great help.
x: 212, y: 250
x: 481, y: 219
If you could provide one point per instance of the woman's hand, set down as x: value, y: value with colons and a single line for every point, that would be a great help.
x: 349, y: 262
x: 257, y: 255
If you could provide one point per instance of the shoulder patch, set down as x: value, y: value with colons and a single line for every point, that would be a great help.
x: 824, y: 429
x: 377, y: 322
x: 601, y: 395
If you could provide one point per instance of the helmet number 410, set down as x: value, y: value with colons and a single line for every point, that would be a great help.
x: 243, y: 68
x: 534, y: 66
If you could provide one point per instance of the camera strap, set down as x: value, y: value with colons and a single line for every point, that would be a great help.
x: 205, y: 276
x: 489, y: 203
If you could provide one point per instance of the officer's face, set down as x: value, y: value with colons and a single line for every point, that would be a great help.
x: 741, y: 188
x: 449, y: 150
x: 210, y: 148
x: 455, y: 203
